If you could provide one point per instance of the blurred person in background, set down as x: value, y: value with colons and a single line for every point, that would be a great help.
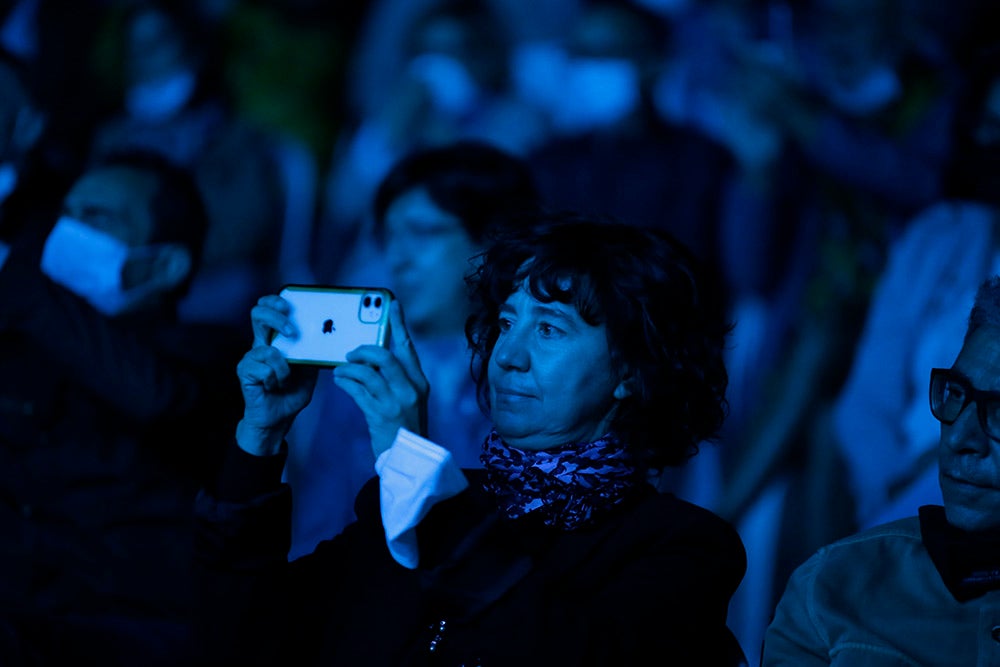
x: 33, y: 179
x: 609, y: 151
x: 177, y: 102
x: 838, y: 117
x: 55, y: 41
x: 381, y: 50
x: 880, y: 424
x: 454, y: 85
x: 100, y: 383
x: 434, y: 211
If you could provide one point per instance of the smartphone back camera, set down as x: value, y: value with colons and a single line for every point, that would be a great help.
x: 370, y: 310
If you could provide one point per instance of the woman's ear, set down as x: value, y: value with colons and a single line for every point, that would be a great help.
x: 624, y: 388
x: 626, y: 384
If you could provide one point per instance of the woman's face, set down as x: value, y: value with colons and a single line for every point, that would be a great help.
x: 428, y: 251
x: 551, y: 380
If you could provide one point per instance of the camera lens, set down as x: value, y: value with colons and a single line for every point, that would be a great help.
x: 368, y: 301
x: 378, y: 302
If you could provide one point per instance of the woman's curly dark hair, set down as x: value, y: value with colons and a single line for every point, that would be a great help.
x: 663, y: 311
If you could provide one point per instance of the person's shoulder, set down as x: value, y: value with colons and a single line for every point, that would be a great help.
x: 942, y: 219
x: 672, y: 518
x: 904, y: 531
x: 675, y: 508
x: 872, y: 558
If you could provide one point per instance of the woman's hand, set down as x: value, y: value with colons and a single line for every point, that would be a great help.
x: 273, y: 391
x: 388, y: 385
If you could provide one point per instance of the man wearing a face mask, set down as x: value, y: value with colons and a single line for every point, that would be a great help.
x: 177, y: 103
x: 609, y: 151
x: 98, y: 380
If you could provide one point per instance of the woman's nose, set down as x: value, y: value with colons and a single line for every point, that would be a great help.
x: 510, y: 352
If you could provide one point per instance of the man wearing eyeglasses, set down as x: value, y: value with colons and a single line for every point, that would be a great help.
x: 924, y: 590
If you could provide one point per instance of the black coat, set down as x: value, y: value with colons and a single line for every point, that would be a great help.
x: 649, y: 582
x: 108, y: 428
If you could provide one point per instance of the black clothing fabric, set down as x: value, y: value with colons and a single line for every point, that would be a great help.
x: 653, y: 578
x: 107, y: 429
x: 969, y: 563
x: 667, y: 177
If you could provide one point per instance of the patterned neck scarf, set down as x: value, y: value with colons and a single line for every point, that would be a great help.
x: 566, y: 487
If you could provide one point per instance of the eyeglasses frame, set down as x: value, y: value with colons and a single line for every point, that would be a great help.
x: 972, y: 395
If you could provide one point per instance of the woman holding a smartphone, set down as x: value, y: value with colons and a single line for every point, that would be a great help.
x: 597, y: 347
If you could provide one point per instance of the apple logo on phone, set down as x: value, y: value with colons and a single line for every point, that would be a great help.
x: 328, y: 326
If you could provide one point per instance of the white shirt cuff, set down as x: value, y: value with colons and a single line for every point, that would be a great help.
x: 414, y: 474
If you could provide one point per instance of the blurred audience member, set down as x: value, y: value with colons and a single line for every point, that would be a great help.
x: 57, y: 41
x: 881, y: 425
x: 838, y: 119
x: 33, y: 179
x: 176, y: 102
x: 866, y: 149
x: 434, y: 211
x: 609, y: 151
x: 102, y: 394
x: 381, y: 50
x: 455, y: 85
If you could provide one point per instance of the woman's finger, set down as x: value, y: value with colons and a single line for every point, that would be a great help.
x: 264, y: 366
x: 364, y: 373
x: 367, y: 403
x: 271, y: 314
x: 392, y: 371
x: 403, y: 348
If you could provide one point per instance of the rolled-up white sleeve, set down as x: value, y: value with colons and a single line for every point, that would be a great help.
x: 414, y: 474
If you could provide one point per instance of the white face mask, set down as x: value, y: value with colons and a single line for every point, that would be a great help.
x: 537, y: 69
x: 451, y: 86
x: 90, y: 263
x: 162, y: 98
x: 596, y: 92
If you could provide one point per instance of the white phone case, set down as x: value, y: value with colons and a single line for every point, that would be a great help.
x: 332, y: 321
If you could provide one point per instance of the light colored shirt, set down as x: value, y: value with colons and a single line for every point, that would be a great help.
x: 875, y: 599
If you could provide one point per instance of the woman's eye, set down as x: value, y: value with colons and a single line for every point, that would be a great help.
x: 503, y: 324
x: 547, y: 330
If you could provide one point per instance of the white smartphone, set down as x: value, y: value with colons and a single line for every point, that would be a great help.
x: 332, y: 321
